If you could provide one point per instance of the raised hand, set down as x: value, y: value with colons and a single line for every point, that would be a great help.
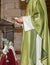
x: 18, y: 20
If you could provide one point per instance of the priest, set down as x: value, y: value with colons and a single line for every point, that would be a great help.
x: 35, y: 48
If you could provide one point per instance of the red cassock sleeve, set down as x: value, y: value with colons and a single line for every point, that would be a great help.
x: 0, y: 62
x: 10, y: 60
x: 3, y: 60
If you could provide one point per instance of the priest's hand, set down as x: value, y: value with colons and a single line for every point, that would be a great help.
x: 19, y: 20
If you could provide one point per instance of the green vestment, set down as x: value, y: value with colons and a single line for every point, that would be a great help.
x: 37, y: 10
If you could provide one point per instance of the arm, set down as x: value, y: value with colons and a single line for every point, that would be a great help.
x: 26, y: 21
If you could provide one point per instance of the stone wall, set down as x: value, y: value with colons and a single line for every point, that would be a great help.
x: 11, y: 8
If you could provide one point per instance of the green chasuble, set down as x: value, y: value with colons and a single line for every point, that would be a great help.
x: 38, y: 12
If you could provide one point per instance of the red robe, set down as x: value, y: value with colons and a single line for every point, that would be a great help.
x: 10, y: 60
x: 0, y: 62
